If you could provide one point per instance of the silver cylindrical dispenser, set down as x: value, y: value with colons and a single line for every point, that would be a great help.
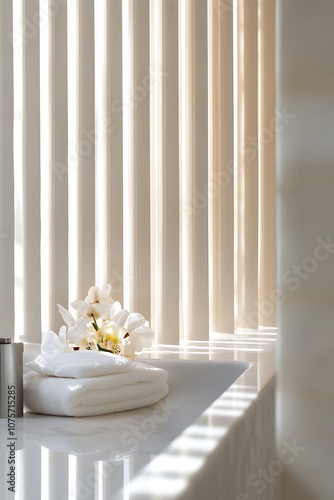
x: 11, y: 378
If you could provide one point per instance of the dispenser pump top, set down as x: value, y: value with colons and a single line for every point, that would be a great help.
x: 5, y: 340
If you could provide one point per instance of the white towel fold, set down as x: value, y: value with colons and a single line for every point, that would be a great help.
x: 141, y: 386
x: 80, y: 364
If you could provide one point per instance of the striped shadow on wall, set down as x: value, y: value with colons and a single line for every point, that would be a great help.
x: 138, y: 149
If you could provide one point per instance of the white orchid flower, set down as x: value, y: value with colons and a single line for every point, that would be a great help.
x: 97, y: 303
x: 117, y: 315
x: 53, y: 343
x: 111, y: 337
x: 91, y: 311
x: 83, y: 336
x: 104, y: 325
x: 98, y: 295
x: 66, y: 315
x: 136, y: 335
x: 140, y: 335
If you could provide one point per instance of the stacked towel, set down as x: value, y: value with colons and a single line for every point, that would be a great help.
x: 87, y: 383
x: 80, y: 364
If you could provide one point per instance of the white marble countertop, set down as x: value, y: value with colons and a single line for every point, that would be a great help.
x: 61, y: 458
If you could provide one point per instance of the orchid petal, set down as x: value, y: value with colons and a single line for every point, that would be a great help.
x: 136, y: 342
x: 119, y: 319
x: 51, y: 344
x: 66, y: 315
x: 98, y: 311
x: 128, y: 349
x: 97, y: 295
x: 106, y: 289
x: 134, y: 321
x: 146, y: 336
x: 78, y: 332
x: 114, y: 309
x: 79, y: 305
x: 94, y: 295
x: 63, y: 336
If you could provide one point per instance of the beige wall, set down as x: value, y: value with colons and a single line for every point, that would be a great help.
x: 305, y: 252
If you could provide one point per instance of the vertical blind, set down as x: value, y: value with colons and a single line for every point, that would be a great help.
x: 137, y: 149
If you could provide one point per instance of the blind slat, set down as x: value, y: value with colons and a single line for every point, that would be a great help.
x: 136, y: 150
x: 247, y: 203
x: 221, y: 181
x: 164, y: 170
x: 114, y: 130
x: 267, y: 257
x: 81, y: 147
x: 6, y: 172
x: 194, y: 170
x: 31, y: 178
x: 141, y: 214
x: 59, y: 145
x: 87, y: 136
x: 171, y: 188
x: 157, y: 164
x: 102, y: 203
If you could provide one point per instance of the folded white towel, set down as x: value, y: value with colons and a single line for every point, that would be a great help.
x: 59, y: 360
x: 143, y: 385
x: 80, y: 364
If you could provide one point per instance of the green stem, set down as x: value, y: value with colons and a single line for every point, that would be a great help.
x: 103, y: 350
x: 95, y: 324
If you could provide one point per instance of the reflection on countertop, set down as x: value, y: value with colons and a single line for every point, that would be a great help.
x: 166, y: 450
